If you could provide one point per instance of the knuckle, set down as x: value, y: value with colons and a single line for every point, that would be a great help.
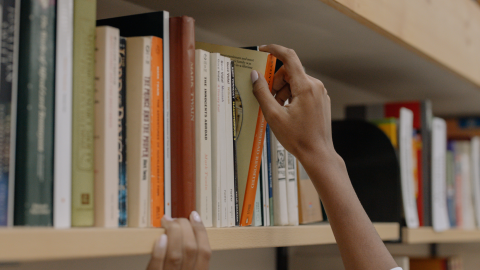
x: 174, y: 227
x: 190, y: 249
x: 291, y: 52
x: 175, y: 258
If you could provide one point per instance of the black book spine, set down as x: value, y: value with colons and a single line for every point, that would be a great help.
x: 235, y: 170
x: 122, y: 135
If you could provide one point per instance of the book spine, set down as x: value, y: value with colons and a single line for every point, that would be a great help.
x: 270, y: 179
x: 84, y: 15
x: 166, y: 115
x: 438, y: 170
x: 406, y: 164
x: 257, y: 214
x: 8, y: 106
x: 426, y: 160
x: 265, y: 198
x: 229, y: 145
x: 62, y: 201
x: 122, y: 135
x: 467, y: 199
x: 34, y: 146
x: 156, y: 134
x: 292, y: 198
x: 215, y: 95
x: 223, y: 144
x: 203, y: 136
x: 280, y: 185
x: 254, y: 168
x: 450, y: 195
x: 235, y: 164
x: 182, y: 105
x: 138, y: 131
x: 475, y: 159
x: 458, y: 186
x: 106, y: 126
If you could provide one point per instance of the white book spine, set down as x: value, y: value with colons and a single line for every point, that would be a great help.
x: 439, y: 182
x: 292, y: 195
x: 229, y: 144
x: 106, y: 126
x: 476, y: 176
x: 406, y: 168
x: 203, y: 137
x: 265, y: 197
x: 223, y: 143
x: 138, y: 131
x: 62, y: 188
x: 279, y: 183
x: 166, y: 115
x: 257, y: 208
x: 467, y: 192
x: 215, y: 95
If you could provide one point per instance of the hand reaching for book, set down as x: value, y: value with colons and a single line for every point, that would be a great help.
x: 303, y: 126
x: 184, y: 246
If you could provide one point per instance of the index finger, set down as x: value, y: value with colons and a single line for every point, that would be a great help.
x: 289, y: 58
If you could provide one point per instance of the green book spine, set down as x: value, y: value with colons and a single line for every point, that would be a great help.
x: 34, y: 144
x: 83, y: 112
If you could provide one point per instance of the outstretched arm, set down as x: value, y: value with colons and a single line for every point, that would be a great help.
x: 303, y: 127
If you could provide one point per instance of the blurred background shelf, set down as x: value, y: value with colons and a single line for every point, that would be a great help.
x: 30, y: 244
x: 427, y: 235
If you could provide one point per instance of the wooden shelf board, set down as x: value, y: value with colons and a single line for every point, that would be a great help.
x: 428, y: 235
x: 33, y: 244
x: 377, y: 50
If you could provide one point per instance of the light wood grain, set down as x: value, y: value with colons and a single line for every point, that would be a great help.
x: 29, y: 244
x: 428, y: 235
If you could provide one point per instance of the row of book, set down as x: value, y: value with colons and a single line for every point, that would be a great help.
x: 439, y: 171
x: 436, y: 263
x: 119, y: 122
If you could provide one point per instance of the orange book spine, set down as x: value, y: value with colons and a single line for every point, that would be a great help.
x: 256, y: 158
x: 156, y: 133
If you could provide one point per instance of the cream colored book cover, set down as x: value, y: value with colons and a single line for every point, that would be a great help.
x: 246, y: 103
x: 106, y: 126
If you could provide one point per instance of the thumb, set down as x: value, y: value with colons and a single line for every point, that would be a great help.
x: 267, y: 102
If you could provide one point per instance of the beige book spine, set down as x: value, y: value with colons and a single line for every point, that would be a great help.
x: 106, y: 126
x: 138, y: 130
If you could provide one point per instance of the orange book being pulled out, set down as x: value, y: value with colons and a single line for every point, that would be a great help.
x: 156, y: 134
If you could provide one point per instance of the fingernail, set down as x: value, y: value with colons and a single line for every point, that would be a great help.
x: 195, y: 216
x: 254, y: 76
x: 169, y: 218
x: 160, y: 246
x: 261, y: 46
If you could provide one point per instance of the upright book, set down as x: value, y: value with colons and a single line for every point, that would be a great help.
x: 107, y: 44
x: 292, y: 198
x: 83, y: 119
x: 230, y: 179
x: 464, y: 191
x: 10, y: 19
x: 203, y: 137
x: 122, y: 134
x: 251, y: 123
x: 62, y: 193
x: 182, y: 104
x: 153, y: 24
x: 35, y: 130
x: 279, y: 179
x: 138, y: 131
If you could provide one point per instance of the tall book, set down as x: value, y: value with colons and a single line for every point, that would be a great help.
x: 107, y: 44
x: 257, y: 213
x: 439, y: 183
x: 203, y: 136
x: 83, y: 119
x: 464, y: 186
x: 270, y: 177
x: 234, y: 127
x: 153, y: 24
x: 222, y: 145
x: 475, y: 159
x: 406, y: 167
x: 251, y: 123
x: 8, y: 106
x: 62, y: 193
x: 122, y: 134
x: 182, y: 104
x: 265, y: 188
x: 422, y: 124
x: 279, y: 179
x: 157, y: 199
x: 309, y: 208
x: 230, y: 179
x: 138, y: 131
x: 35, y: 130
x: 292, y: 194
x: 450, y: 195
x: 217, y: 136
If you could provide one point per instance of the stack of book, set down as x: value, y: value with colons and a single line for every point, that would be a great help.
x: 439, y: 162
x: 119, y: 122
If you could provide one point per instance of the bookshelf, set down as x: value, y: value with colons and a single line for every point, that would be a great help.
x: 364, y: 50
x: 30, y: 244
x: 428, y: 236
